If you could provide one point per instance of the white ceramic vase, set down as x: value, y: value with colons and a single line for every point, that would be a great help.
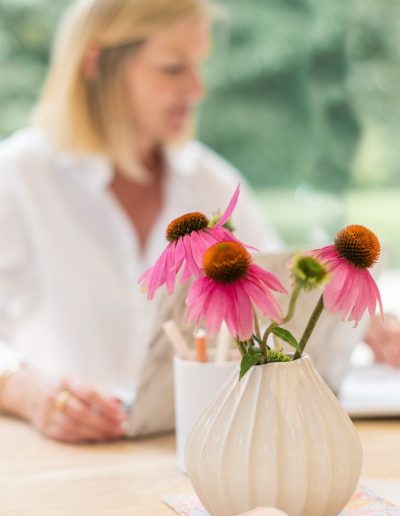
x: 277, y: 438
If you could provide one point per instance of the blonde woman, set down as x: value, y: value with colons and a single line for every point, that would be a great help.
x: 85, y: 197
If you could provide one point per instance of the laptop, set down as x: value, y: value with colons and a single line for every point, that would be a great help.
x: 371, y: 390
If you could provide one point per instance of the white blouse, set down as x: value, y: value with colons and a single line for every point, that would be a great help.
x: 70, y: 258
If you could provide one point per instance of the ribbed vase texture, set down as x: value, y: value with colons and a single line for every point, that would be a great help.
x: 279, y: 438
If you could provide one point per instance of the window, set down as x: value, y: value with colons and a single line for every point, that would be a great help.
x: 302, y: 98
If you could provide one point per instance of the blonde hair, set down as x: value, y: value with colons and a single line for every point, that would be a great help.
x: 88, y: 115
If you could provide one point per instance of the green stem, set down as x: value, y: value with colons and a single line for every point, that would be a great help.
x: 288, y: 316
x: 256, y: 324
x: 268, y: 331
x: 241, y: 347
x: 292, y: 303
x: 310, y: 326
x: 263, y: 347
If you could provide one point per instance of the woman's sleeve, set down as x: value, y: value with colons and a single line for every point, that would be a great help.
x: 14, y: 274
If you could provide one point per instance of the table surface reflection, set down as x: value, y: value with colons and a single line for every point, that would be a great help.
x: 39, y: 477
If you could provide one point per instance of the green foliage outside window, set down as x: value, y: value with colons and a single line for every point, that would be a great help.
x: 302, y: 96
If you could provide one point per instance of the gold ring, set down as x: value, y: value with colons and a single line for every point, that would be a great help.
x: 61, y: 400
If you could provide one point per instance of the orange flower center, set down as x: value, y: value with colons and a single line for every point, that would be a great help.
x: 226, y: 262
x: 185, y: 224
x: 358, y: 245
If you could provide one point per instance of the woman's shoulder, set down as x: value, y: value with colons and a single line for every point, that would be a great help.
x: 23, y: 156
x: 22, y: 145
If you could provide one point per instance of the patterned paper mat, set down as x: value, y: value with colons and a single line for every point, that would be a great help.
x: 364, y: 502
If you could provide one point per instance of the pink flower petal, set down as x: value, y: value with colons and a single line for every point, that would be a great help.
x: 232, y: 315
x: 351, y: 290
x: 215, y: 311
x: 233, y: 302
x: 179, y: 254
x: 264, y: 300
x: 327, y: 254
x: 189, y: 255
x: 230, y: 208
x: 198, y: 243
x: 186, y: 274
x: 197, y: 299
x: 245, y: 315
x: 332, y: 291
x: 188, y: 251
x: 270, y: 280
x: 155, y: 276
x: 375, y: 297
x: 220, y: 234
x: 370, y: 294
x: 170, y: 273
x: 355, y: 301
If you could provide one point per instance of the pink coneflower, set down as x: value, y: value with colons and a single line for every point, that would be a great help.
x: 189, y: 237
x: 351, y: 289
x: 231, y: 286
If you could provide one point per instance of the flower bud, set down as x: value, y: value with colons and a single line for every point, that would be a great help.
x: 308, y: 272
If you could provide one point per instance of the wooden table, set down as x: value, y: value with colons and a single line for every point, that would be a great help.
x: 39, y: 477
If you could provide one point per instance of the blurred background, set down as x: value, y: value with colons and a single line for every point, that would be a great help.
x: 302, y: 98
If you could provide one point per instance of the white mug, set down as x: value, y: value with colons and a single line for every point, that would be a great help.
x: 195, y: 384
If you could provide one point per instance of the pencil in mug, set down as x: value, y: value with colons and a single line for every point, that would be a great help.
x: 224, y: 341
x: 177, y: 340
x: 200, y: 345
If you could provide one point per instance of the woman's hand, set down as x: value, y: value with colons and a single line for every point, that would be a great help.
x: 65, y: 409
x: 384, y: 339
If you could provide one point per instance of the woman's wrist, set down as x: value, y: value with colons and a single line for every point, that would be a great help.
x: 13, y: 382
